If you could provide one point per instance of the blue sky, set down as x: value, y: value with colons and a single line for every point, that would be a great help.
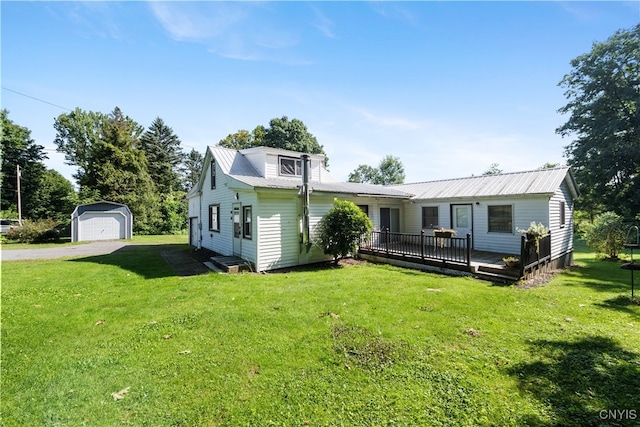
x: 447, y: 87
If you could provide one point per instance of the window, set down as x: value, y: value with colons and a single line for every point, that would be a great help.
x: 213, y: 174
x: 214, y: 217
x: 430, y: 217
x: 290, y: 166
x: 246, y: 221
x: 501, y: 218
x: 364, y: 208
x: 562, y: 214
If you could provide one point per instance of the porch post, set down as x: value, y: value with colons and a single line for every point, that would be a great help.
x: 422, y: 244
x: 468, y: 249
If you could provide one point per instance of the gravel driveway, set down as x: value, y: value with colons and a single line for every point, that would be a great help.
x: 88, y: 249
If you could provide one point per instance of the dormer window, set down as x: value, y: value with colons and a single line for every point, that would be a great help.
x: 290, y: 166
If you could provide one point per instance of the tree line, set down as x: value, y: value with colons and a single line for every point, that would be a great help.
x: 116, y: 158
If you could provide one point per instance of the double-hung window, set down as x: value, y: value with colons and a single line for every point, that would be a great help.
x: 214, y: 217
x: 500, y: 218
x: 246, y: 222
x: 430, y: 217
x: 289, y: 166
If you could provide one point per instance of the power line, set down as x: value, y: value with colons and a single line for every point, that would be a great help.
x: 36, y: 99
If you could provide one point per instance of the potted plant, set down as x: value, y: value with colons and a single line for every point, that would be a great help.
x: 511, y: 261
x: 534, y: 233
x: 444, y: 232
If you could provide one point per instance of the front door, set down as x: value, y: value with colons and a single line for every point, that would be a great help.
x: 237, y: 229
x: 462, y: 220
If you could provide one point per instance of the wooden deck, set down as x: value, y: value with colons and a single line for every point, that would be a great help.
x: 442, y: 254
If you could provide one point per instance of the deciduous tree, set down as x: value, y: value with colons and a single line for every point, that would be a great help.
x: 390, y: 171
x: 603, y: 89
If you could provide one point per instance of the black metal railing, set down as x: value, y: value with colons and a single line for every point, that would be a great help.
x: 419, y: 246
x: 533, y: 253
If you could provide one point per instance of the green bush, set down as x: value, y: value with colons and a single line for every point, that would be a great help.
x: 35, y: 231
x: 341, y: 229
x: 606, y: 234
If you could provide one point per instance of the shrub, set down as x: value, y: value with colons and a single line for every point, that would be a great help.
x: 35, y: 231
x: 606, y: 234
x: 341, y: 229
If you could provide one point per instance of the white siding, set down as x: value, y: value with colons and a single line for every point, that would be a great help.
x: 524, y: 211
x: 249, y: 246
x: 561, y: 235
x: 279, y: 231
x: 413, y: 216
x: 217, y: 241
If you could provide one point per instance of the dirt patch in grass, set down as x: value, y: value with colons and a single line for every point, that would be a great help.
x: 366, y: 349
x: 537, y: 281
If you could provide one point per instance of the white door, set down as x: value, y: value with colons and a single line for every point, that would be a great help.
x: 237, y: 229
x: 193, y: 231
x: 101, y: 226
x: 462, y: 220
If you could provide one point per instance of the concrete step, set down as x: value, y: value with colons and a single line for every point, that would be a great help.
x: 231, y: 264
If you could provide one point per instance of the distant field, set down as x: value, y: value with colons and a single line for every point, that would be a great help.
x: 120, y: 340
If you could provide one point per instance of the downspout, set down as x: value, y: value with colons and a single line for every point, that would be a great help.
x: 306, y: 243
x: 199, y: 225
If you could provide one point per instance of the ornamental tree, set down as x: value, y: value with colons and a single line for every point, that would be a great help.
x: 341, y: 229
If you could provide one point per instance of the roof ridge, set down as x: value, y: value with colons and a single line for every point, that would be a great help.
x: 482, y: 176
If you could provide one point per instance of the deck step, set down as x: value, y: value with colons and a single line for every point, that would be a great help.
x: 231, y: 264
x: 212, y: 266
x: 497, y: 272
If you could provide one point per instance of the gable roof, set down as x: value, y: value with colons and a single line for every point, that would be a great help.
x: 537, y: 182
x: 235, y: 165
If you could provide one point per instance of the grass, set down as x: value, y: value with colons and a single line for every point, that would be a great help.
x: 120, y: 340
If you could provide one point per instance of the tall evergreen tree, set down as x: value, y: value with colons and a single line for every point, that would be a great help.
x: 18, y: 149
x: 192, y: 168
x: 164, y: 155
x: 122, y: 175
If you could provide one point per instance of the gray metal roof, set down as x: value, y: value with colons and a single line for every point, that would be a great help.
x: 538, y: 182
x: 234, y: 164
x: 544, y: 181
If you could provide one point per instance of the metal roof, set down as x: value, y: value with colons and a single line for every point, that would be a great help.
x: 542, y: 182
x: 537, y: 182
x: 236, y: 165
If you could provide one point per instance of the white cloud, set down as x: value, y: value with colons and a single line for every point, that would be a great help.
x: 234, y: 30
x: 322, y: 23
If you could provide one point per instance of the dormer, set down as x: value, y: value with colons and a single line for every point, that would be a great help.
x: 284, y: 164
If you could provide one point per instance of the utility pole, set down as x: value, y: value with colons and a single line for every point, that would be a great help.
x: 19, y: 198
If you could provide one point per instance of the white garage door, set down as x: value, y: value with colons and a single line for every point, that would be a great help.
x: 101, y: 226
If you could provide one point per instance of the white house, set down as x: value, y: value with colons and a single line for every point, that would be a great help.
x: 253, y: 203
x: 263, y: 204
x: 491, y: 208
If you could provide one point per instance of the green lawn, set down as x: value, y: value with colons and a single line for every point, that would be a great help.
x: 120, y: 340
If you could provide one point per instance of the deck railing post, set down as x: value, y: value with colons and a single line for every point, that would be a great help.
x: 422, y: 244
x: 523, y: 255
x: 468, y: 249
x: 386, y: 240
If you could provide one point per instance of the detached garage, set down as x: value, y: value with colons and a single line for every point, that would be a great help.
x: 101, y: 221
